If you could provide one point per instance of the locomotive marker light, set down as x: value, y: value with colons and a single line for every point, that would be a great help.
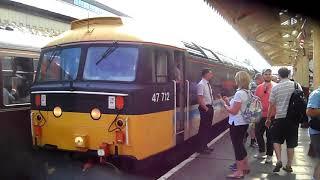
x: 37, y: 100
x: 119, y: 102
x: 57, y: 111
x: 95, y: 114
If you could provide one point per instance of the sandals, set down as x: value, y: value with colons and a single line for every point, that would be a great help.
x: 278, y: 167
x: 288, y: 169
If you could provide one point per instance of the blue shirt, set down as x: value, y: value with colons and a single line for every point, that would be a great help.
x: 314, y: 103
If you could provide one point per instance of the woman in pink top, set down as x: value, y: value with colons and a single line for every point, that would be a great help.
x: 263, y: 92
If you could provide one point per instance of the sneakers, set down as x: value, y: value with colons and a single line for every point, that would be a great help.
x: 278, y: 167
x: 269, y: 159
x: 260, y: 156
x: 210, y: 149
x: 233, y: 167
x: 206, y: 150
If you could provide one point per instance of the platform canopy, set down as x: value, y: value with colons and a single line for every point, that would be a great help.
x: 278, y: 35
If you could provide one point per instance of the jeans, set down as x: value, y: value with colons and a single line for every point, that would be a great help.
x: 260, y: 129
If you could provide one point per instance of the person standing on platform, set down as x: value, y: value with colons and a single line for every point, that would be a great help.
x: 263, y: 92
x: 282, y: 129
x: 205, y: 100
x: 258, y: 79
x: 313, y: 111
x: 275, y: 79
x: 238, y: 125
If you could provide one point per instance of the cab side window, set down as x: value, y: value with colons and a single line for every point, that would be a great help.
x: 17, y: 77
x: 161, y: 67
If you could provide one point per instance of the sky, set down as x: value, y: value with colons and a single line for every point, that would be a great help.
x: 190, y: 20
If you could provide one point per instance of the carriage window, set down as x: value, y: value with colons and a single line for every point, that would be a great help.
x: 35, y: 65
x: 59, y: 65
x: 116, y: 64
x: 162, y: 67
x: 17, y: 73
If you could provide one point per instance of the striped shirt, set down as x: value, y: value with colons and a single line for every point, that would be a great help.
x: 280, y: 96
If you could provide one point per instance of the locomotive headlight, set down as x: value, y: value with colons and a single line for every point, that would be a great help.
x: 95, y: 114
x: 79, y: 141
x: 57, y: 111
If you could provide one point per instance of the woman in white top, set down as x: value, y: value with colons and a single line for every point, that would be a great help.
x: 239, y: 126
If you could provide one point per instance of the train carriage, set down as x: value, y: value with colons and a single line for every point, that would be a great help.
x: 19, y: 54
x: 105, y: 88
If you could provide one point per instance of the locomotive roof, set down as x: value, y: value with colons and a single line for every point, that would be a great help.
x: 111, y: 29
x: 126, y: 30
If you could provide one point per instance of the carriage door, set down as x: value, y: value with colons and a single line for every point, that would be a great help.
x: 180, y: 95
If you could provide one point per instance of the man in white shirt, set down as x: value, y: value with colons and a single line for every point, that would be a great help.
x: 205, y: 100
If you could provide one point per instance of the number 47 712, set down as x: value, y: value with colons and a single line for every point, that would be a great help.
x: 160, y: 97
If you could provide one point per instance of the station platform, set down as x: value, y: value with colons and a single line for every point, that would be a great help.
x: 215, y: 166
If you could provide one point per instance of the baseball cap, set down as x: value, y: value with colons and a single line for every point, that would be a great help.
x: 258, y: 75
x: 265, y: 70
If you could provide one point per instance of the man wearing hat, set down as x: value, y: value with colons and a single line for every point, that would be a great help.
x: 263, y: 92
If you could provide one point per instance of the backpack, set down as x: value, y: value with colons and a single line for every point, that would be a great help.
x: 253, y: 111
x: 297, y: 106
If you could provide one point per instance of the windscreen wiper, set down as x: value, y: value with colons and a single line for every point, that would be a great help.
x: 108, y: 51
x: 56, y: 51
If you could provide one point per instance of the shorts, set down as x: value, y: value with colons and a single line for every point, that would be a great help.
x: 283, y: 130
x: 315, y: 141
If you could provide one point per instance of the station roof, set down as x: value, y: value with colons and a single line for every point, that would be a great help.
x: 277, y: 34
x: 22, y: 41
x: 67, y: 9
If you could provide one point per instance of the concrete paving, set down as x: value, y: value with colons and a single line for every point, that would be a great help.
x: 216, y: 165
